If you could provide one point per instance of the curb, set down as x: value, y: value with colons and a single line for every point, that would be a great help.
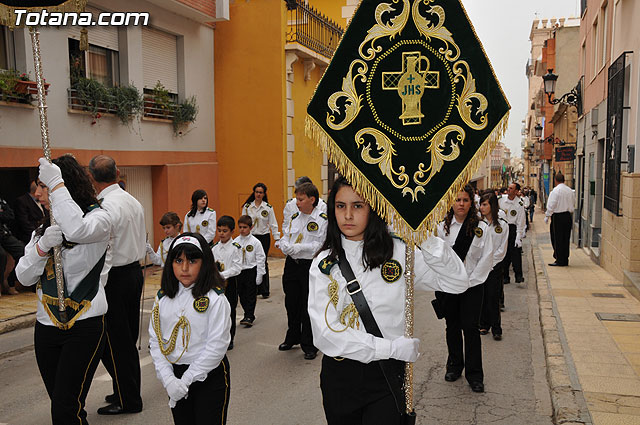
x: 564, y: 398
x: 19, y: 322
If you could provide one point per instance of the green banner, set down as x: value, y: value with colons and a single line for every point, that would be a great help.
x: 408, y: 108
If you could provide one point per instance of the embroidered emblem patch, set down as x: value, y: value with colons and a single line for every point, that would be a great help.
x: 323, y: 215
x: 325, y: 266
x: 295, y: 215
x: 478, y: 232
x: 220, y: 266
x: 205, y: 223
x: 391, y: 271
x: 513, y: 213
x: 264, y: 213
x: 249, y: 248
x: 312, y: 226
x: 201, y: 304
x: 498, y: 229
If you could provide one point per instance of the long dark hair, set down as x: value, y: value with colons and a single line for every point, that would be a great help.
x: 472, y: 215
x: 378, y: 244
x: 207, y: 279
x: 77, y: 183
x: 490, y: 197
x: 252, y: 197
x: 195, y: 197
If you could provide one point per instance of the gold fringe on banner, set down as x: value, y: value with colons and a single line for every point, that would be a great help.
x: 51, y: 301
x: 8, y: 16
x: 377, y: 200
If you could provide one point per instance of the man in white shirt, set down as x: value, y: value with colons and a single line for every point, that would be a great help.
x: 559, y: 207
x: 124, y: 286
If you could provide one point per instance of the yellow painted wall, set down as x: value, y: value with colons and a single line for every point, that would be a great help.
x: 250, y: 103
x: 307, y: 157
x: 332, y: 9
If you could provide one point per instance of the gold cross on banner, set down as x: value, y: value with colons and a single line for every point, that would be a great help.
x: 410, y: 84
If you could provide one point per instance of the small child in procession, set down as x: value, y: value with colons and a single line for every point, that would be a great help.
x: 172, y: 226
x: 228, y: 257
x: 253, y: 260
x: 189, y: 333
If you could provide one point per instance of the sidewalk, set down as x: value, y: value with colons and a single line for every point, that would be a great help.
x: 591, y: 327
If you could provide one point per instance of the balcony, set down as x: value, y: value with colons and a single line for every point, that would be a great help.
x: 311, y: 29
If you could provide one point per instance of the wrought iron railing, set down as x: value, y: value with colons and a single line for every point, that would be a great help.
x: 312, y: 29
x: 75, y: 102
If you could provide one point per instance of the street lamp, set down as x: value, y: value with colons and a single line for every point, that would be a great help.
x: 537, y: 131
x: 571, y: 98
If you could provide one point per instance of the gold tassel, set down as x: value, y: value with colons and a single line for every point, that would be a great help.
x: 379, y: 203
x: 84, y: 39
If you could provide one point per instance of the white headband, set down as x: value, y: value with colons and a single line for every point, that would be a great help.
x: 187, y: 239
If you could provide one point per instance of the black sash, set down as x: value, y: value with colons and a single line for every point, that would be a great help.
x: 463, y: 241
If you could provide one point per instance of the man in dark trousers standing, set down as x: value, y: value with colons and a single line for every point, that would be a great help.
x: 559, y: 207
x: 123, y: 289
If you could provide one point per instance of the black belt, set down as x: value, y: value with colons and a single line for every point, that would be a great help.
x: 299, y: 260
x: 128, y: 266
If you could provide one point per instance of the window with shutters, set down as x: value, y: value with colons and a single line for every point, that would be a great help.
x: 159, y: 72
x: 7, y: 54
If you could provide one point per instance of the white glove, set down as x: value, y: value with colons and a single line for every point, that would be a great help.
x: 150, y: 250
x: 176, y: 389
x: 546, y: 219
x: 259, y: 279
x: 405, y: 349
x: 518, y: 243
x: 52, y: 237
x: 50, y: 174
x: 285, y: 247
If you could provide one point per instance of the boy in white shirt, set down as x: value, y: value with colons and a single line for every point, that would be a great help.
x: 253, y: 260
x: 228, y: 258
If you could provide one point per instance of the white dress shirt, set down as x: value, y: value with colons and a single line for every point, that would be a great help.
x: 561, y: 199
x: 437, y: 268
x: 91, y: 232
x: 479, y: 259
x: 160, y: 256
x: 229, y: 256
x: 498, y: 239
x: 252, y: 253
x: 290, y: 208
x: 203, y: 222
x: 263, y: 218
x: 209, y: 339
x: 305, y: 234
x: 128, y: 233
x: 514, y: 210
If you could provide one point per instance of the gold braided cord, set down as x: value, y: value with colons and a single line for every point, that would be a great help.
x: 168, y: 348
x: 379, y: 202
x: 8, y: 16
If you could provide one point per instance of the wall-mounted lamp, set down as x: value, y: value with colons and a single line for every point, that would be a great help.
x: 571, y: 98
x: 537, y: 131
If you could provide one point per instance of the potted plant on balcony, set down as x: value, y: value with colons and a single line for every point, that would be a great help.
x: 24, y: 85
x: 9, y: 80
x: 183, y: 114
x: 158, y: 104
x: 126, y: 102
x: 92, y: 95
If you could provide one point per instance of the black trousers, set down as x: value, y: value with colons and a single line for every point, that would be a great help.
x: 490, y: 318
x: 560, y: 230
x: 513, y: 256
x: 9, y: 245
x: 247, y: 291
x: 462, y: 313
x: 67, y: 361
x: 207, y: 401
x: 231, y: 292
x: 120, y: 357
x: 265, y: 241
x: 355, y: 393
x: 295, y: 283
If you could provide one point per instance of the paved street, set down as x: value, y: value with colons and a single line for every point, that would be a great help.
x: 271, y: 387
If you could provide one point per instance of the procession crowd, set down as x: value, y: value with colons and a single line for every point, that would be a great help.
x: 343, y: 283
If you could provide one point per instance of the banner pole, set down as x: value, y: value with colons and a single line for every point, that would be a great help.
x: 44, y: 131
x: 408, y: 326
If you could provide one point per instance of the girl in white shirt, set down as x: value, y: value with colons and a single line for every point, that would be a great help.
x: 189, y: 333
x: 354, y: 389
x: 200, y: 218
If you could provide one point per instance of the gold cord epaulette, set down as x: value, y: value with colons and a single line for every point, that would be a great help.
x: 168, y: 348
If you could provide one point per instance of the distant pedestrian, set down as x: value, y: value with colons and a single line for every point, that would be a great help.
x: 513, y: 207
x: 533, y: 198
x: 11, y: 249
x: 559, y: 208
x: 29, y: 213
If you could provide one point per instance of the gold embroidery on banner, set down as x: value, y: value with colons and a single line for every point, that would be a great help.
x: 352, y: 102
x: 384, y: 147
x: 436, y: 148
x: 430, y: 30
x: 381, y: 29
x: 465, y: 99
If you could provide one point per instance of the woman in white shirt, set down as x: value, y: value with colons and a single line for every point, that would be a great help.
x: 69, y: 348
x: 354, y: 389
x: 189, y: 333
x: 264, y: 224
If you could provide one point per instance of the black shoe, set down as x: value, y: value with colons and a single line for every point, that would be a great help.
x: 247, y: 322
x: 497, y: 337
x: 506, y: 282
x: 265, y: 296
x: 519, y: 279
x: 451, y: 376
x: 554, y: 264
x: 111, y: 398
x: 116, y: 409
x: 230, y: 346
x: 477, y: 386
x: 285, y: 346
x: 310, y: 355
x: 483, y: 331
